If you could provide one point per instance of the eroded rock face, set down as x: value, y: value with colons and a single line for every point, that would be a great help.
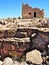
x: 6, y: 33
x: 37, y: 40
x: 21, y: 37
x: 40, y: 41
x: 17, y: 48
x: 34, y: 56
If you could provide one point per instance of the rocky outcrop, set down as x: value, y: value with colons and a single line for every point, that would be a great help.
x: 17, y: 39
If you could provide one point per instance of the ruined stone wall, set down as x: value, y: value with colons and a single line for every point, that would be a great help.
x: 21, y: 43
x: 29, y: 12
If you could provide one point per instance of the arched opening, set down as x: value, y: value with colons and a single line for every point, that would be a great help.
x: 34, y: 14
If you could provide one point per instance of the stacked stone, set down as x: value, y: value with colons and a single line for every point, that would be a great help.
x: 13, y: 42
x: 20, y: 41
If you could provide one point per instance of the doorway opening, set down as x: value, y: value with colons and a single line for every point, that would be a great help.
x: 34, y: 14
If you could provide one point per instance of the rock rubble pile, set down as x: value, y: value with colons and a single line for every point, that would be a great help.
x: 20, y: 37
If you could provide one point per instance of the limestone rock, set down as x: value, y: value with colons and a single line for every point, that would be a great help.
x: 7, y: 61
x: 23, y: 63
x: 16, y: 63
x: 1, y: 62
x: 34, y: 57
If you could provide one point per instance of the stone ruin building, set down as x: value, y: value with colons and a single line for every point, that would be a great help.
x: 29, y: 12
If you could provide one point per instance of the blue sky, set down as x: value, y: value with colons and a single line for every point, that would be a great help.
x: 13, y: 8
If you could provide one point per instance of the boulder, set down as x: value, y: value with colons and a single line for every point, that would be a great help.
x: 34, y: 57
x: 1, y: 62
x: 23, y: 63
x: 7, y: 61
x: 16, y: 63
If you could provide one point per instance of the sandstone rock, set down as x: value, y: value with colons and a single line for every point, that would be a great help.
x: 33, y: 34
x: 34, y: 57
x: 48, y: 46
x: 16, y: 63
x: 1, y: 62
x: 7, y: 61
x: 23, y: 63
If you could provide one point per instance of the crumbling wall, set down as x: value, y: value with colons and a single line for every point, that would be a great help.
x: 29, y: 12
x: 19, y: 46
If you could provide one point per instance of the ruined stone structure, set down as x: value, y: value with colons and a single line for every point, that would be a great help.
x: 22, y: 36
x: 29, y: 12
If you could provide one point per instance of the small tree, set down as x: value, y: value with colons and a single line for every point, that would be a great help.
x: 19, y: 17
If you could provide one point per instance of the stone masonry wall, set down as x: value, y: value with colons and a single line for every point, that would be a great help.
x: 29, y: 12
